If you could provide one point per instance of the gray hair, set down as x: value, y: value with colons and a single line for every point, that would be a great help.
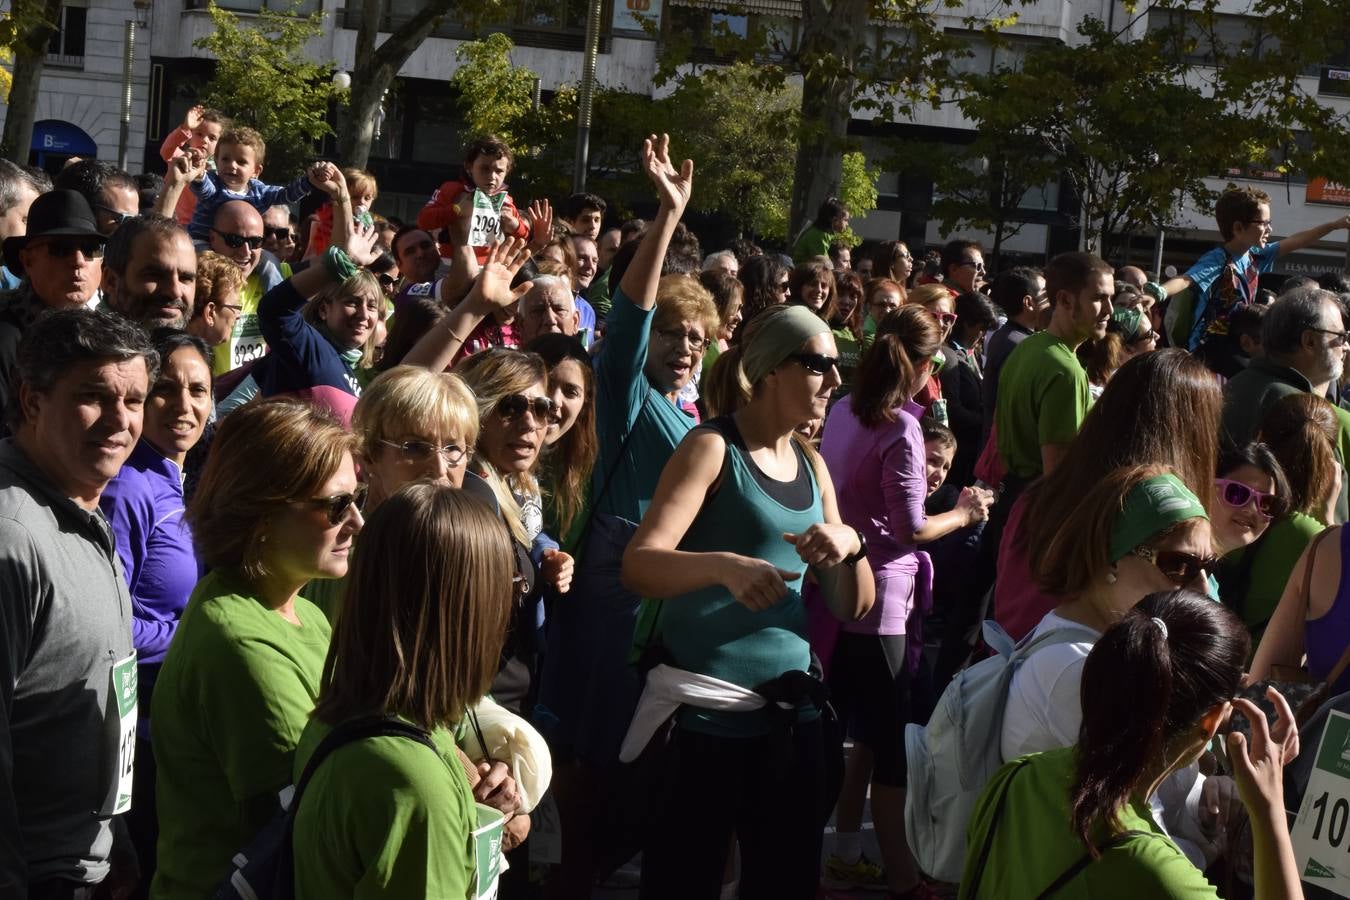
x: 59, y: 340
x: 710, y: 261
x: 13, y: 179
x: 549, y: 283
x: 1291, y: 315
x: 117, y: 254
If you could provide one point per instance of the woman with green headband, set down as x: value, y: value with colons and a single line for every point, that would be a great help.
x: 740, y: 514
x: 1139, y: 531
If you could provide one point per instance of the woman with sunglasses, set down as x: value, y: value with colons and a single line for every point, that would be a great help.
x: 277, y: 507
x: 1138, y: 531
x: 316, y: 345
x: 429, y: 605
x: 1162, y: 409
x: 941, y: 302
x: 893, y: 261
x: 874, y: 450
x: 1256, y: 532
x: 742, y: 510
x: 1301, y: 431
x: 1157, y: 687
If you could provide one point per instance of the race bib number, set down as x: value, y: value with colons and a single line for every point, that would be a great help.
x: 1322, y: 830
x: 487, y: 851
x: 247, y: 342
x: 486, y: 229
x: 122, y: 728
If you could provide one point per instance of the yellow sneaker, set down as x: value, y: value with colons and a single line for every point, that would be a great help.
x: 862, y: 875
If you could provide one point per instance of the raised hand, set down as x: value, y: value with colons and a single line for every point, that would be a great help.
x: 672, y: 187
x: 540, y: 219
x: 326, y: 177
x: 360, y: 244
x: 194, y: 117
x: 186, y: 167
x: 1258, y: 765
x: 493, y: 284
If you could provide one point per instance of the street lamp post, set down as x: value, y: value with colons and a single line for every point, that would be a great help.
x: 128, y: 70
x: 587, y: 99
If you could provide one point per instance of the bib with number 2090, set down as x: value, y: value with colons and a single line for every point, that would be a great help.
x: 486, y: 229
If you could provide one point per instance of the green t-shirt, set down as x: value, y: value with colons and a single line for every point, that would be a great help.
x: 813, y: 242
x: 850, y: 351
x: 237, y: 687
x: 1276, y: 554
x: 1034, y: 844
x: 1042, y: 399
x: 383, y: 817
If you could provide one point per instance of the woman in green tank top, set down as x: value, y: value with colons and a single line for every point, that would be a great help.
x: 741, y: 512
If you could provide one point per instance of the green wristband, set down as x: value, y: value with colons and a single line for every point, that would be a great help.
x: 339, y: 264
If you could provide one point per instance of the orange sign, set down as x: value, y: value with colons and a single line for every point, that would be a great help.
x: 1320, y: 190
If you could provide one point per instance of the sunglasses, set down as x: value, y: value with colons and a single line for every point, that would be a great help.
x: 421, y: 451
x: 386, y: 281
x: 235, y: 241
x: 64, y: 248
x: 513, y: 406
x: 1238, y: 495
x: 1178, y: 567
x: 281, y: 234
x: 817, y: 363
x: 945, y: 318
x: 335, y: 507
x: 970, y: 263
x: 118, y: 217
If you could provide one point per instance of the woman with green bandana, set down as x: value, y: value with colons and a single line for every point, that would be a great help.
x: 741, y: 512
x: 1077, y: 823
x: 1139, y: 531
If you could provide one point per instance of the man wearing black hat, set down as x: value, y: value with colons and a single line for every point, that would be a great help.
x: 60, y: 260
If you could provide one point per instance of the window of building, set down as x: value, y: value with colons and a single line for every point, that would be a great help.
x: 67, y: 44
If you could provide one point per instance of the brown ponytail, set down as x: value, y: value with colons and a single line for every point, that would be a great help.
x: 1302, y: 431
x: 884, y: 378
x: 1142, y: 687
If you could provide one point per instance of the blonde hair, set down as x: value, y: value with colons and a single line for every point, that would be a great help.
x: 491, y: 375
x: 243, y: 136
x: 218, y: 278
x: 359, y: 181
x: 926, y: 295
x: 265, y: 454
x: 363, y: 285
x: 426, y: 610
x: 411, y: 399
x: 681, y: 298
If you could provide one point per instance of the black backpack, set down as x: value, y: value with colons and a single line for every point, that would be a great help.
x: 265, y: 869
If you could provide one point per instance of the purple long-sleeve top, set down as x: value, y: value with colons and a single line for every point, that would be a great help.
x: 878, y: 476
x: 144, y: 505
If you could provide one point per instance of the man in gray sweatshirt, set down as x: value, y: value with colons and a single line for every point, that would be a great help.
x: 67, y: 668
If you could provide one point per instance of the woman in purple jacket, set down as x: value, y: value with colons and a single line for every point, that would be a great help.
x: 874, y: 450
x: 144, y: 505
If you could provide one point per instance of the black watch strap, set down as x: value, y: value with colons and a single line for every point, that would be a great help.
x: 852, y: 559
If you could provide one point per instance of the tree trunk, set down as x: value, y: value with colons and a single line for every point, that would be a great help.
x: 376, y: 68
x: 832, y: 30
x: 30, y: 51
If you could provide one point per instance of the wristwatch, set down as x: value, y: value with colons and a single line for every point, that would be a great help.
x: 852, y: 558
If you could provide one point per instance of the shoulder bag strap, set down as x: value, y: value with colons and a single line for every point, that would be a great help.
x: 350, y: 732
x: 585, y: 531
x: 1086, y: 860
x: 978, y: 874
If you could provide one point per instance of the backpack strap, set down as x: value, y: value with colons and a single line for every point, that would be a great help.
x: 1086, y: 860
x: 350, y: 732
x: 978, y: 874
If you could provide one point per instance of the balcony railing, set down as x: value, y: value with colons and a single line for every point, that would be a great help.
x: 64, y: 61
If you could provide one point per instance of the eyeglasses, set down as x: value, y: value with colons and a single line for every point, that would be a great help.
x: 513, y: 406
x: 64, y: 248
x: 818, y: 363
x: 115, y: 215
x: 1177, y: 566
x: 235, y: 241
x: 1338, y: 338
x: 335, y: 507
x: 232, y: 307
x: 1238, y: 495
x: 421, y: 451
x: 281, y: 234
x: 696, y: 341
x: 783, y: 286
x: 1264, y: 223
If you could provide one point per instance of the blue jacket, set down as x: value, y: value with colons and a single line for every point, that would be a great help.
x: 302, y: 361
x: 211, y: 194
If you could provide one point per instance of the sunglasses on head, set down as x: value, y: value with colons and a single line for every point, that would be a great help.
x: 421, y: 451
x: 64, y: 248
x: 818, y: 363
x: 1177, y: 566
x: 335, y: 507
x: 235, y: 241
x: 1237, y: 495
x: 513, y: 406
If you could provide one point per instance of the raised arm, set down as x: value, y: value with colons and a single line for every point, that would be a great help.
x: 1301, y: 239
x: 184, y: 169
x: 673, y: 188
x: 437, y: 348
x: 357, y: 244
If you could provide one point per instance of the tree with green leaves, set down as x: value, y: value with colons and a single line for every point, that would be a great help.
x: 264, y: 79
x: 25, y: 31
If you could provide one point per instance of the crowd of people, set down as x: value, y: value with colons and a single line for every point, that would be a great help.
x: 493, y: 551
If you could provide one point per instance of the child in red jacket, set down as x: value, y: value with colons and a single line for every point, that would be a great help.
x: 486, y: 166
x: 201, y: 130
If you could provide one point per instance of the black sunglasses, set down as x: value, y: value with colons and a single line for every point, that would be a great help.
x: 118, y: 217
x: 281, y: 234
x: 513, y: 406
x: 1177, y: 566
x: 335, y: 507
x: 818, y: 363
x: 235, y: 241
x: 63, y: 248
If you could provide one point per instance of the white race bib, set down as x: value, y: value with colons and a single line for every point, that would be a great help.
x: 1321, y: 832
x: 122, y: 699
x: 486, y: 229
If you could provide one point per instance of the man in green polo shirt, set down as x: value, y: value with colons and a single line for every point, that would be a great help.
x: 1043, y: 390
